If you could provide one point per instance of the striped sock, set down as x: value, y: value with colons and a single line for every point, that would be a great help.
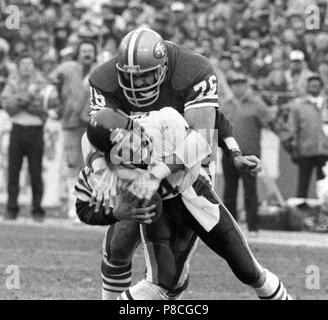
x: 272, y: 288
x: 115, y: 279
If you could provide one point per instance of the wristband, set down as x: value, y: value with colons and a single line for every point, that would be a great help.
x: 231, y: 143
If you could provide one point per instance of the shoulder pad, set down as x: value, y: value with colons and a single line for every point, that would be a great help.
x: 104, y: 77
x: 189, y: 68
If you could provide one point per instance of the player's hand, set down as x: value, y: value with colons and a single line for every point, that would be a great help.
x: 130, y: 207
x: 101, y: 191
x: 145, y: 187
x: 250, y: 164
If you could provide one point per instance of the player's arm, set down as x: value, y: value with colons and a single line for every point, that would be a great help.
x: 88, y: 215
x: 201, y: 102
x: 85, y: 209
x: 10, y: 100
x: 229, y: 145
x: 200, y: 111
x: 106, y: 214
x: 124, y: 211
x: 92, y: 157
x: 203, y: 116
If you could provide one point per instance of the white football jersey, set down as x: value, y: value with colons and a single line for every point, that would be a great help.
x: 167, y: 128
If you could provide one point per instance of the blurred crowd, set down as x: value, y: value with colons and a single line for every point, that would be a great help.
x: 270, y: 42
x: 255, y: 37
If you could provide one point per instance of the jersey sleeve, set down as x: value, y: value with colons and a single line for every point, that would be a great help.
x: 86, y: 211
x: 87, y: 214
x: 100, y: 100
x: 83, y: 189
x: 203, y: 92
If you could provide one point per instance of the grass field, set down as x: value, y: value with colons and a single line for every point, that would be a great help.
x: 60, y: 262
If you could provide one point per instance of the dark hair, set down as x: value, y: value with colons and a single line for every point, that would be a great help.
x: 86, y: 41
x: 25, y: 55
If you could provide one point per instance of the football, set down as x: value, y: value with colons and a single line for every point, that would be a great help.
x: 127, y: 201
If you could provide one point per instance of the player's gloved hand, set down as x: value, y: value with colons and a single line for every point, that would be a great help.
x: 250, y: 164
x: 130, y: 207
x: 104, y: 188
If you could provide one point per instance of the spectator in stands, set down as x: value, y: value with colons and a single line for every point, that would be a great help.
x: 61, y: 33
x: 222, y: 68
x: 41, y: 47
x: 71, y: 78
x: 219, y: 29
x: 109, y: 50
x: 265, y: 39
x: 179, y: 12
x: 298, y: 73
x: 18, y: 49
x: 248, y: 53
x: 323, y: 71
x: 202, y: 10
x: 22, y: 99
x: 248, y: 114
x: 5, y: 66
x: 138, y: 13
x: 321, y: 48
x: 311, y: 50
x: 49, y: 62
x: 296, y: 21
x: 306, y: 135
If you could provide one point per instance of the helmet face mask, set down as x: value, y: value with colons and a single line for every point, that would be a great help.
x: 142, y: 66
x: 145, y: 95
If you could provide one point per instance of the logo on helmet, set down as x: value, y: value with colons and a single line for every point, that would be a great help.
x: 159, y: 50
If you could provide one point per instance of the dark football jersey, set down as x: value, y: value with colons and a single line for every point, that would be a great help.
x: 190, y: 82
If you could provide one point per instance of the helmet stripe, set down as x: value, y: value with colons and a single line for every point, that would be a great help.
x: 135, y: 50
x: 133, y: 46
x: 126, y: 60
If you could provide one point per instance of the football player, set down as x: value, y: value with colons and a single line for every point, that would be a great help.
x: 171, y: 240
x: 148, y: 74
